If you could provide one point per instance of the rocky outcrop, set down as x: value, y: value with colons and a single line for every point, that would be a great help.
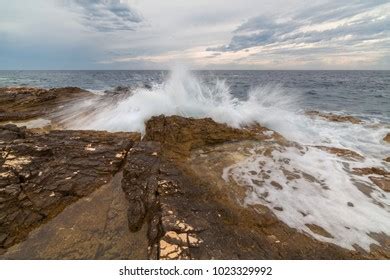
x: 334, y: 118
x: 42, y: 173
x: 94, y: 227
x: 24, y: 103
x: 189, y: 218
x: 179, y: 135
x: 378, y: 176
x: 345, y: 153
x: 192, y: 213
x: 387, y: 138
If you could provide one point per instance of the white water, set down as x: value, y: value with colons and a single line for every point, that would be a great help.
x: 185, y: 95
x: 323, y: 202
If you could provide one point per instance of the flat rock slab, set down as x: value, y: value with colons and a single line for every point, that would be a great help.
x: 40, y: 174
x: 22, y: 103
x: 94, y: 227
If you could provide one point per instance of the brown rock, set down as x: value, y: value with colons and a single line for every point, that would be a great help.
x: 42, y: 173
x: 349, y: 154
x: 23, y: 103
x: 188, y: 208
x: 177, y: 201
x: 372, y: 170
x: 319, y: 230
x: 387, y: 138
x: 382, y: 182
x: 179, y: 135
x: 333, y: 117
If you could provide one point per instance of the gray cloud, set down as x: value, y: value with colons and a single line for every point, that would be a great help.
x: 263, y: 30
x: 51, y: 34
x: 107, y: 15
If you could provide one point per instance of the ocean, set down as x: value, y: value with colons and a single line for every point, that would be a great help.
x: 360, y: 93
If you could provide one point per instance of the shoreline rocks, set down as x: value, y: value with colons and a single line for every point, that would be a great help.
x: 387, y: 138
x: 40, y: 174
x: 23, y: 103
x: 176, y: 198
x: 334, y: 118
x: 188, y: 218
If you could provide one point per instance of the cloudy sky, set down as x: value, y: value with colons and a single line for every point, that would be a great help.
x: 204, y: 34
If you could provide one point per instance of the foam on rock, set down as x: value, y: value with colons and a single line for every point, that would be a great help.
x: 312, y: 191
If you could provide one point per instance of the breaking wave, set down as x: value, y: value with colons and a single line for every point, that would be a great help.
x: 185, y: 95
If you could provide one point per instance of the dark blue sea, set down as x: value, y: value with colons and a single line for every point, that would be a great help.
x: 361, y: 93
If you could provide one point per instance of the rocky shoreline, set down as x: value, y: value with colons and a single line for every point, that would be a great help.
x: 177, y: 203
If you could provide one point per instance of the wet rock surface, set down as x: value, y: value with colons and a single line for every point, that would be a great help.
x: 189, y: 218
x: 24, y: 103
x: 378, y: 176
x: 348, y: 154
x: 192, y: 213
x: 387, y: 138
x: 94, y: 227
x: 42, y: 173
x: 179, y: 135
x: 334, y: 118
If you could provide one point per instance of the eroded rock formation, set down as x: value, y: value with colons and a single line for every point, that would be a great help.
x: 387, y: 138
x: 334, y: 118
x: 42, y: 173
x: 24, y: 103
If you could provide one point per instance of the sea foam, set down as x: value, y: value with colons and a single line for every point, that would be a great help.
x: 311, y: 187
x: 185, y: 95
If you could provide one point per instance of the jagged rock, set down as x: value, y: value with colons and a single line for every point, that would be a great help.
x: 334, y: 118
x: 372, y: 170
x: 120, y: 90
x: 10, y: 132
x: 42, y: 173
x: 140, y: 181
x: 23, y: 103
x: 94, y: 227
x: 188, y: 208
x: 342, y: 152
x: 188, y: 218
x: 179, y: 135
x: 382, y: 182
x: 387, y: 138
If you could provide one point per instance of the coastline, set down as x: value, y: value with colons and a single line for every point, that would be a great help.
x: 177, y: 200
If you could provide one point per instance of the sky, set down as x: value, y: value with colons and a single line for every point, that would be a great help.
x: 202, y: 34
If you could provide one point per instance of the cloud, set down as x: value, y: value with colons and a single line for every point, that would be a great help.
x: 325, y: 24
x: 245, y: 34
x: 107, y: 15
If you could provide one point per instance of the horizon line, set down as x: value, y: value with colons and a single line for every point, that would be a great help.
x: 195, y: 69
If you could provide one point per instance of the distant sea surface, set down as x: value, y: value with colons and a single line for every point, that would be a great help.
x: 360, y: 93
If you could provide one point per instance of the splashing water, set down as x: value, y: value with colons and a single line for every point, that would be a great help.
x: 185, y: 95
x: 323, y: 190
x: 310, y: 187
